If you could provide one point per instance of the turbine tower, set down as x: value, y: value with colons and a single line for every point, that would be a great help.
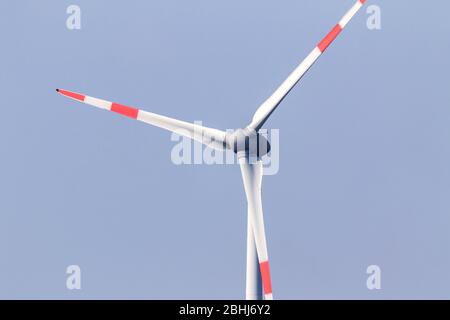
x: 249, y: 146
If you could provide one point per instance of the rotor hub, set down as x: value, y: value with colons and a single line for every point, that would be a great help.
x: 249, y: 142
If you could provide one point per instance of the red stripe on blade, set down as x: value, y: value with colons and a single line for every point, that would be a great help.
x: 125, y: 110
x: 362, y: 1
x: 72, y: 95
x: 323, y: 45
x: 265, y: 275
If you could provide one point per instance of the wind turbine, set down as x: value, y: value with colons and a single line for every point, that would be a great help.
x: 248, y: 144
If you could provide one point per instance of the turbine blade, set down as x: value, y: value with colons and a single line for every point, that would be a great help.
x: 252, y: 176
x: 265, y: 110
x: 211, y: 137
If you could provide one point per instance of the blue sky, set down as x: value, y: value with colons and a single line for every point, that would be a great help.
x: 364, y: 149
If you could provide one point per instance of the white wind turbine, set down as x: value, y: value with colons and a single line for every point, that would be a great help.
x: 249, y: 146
